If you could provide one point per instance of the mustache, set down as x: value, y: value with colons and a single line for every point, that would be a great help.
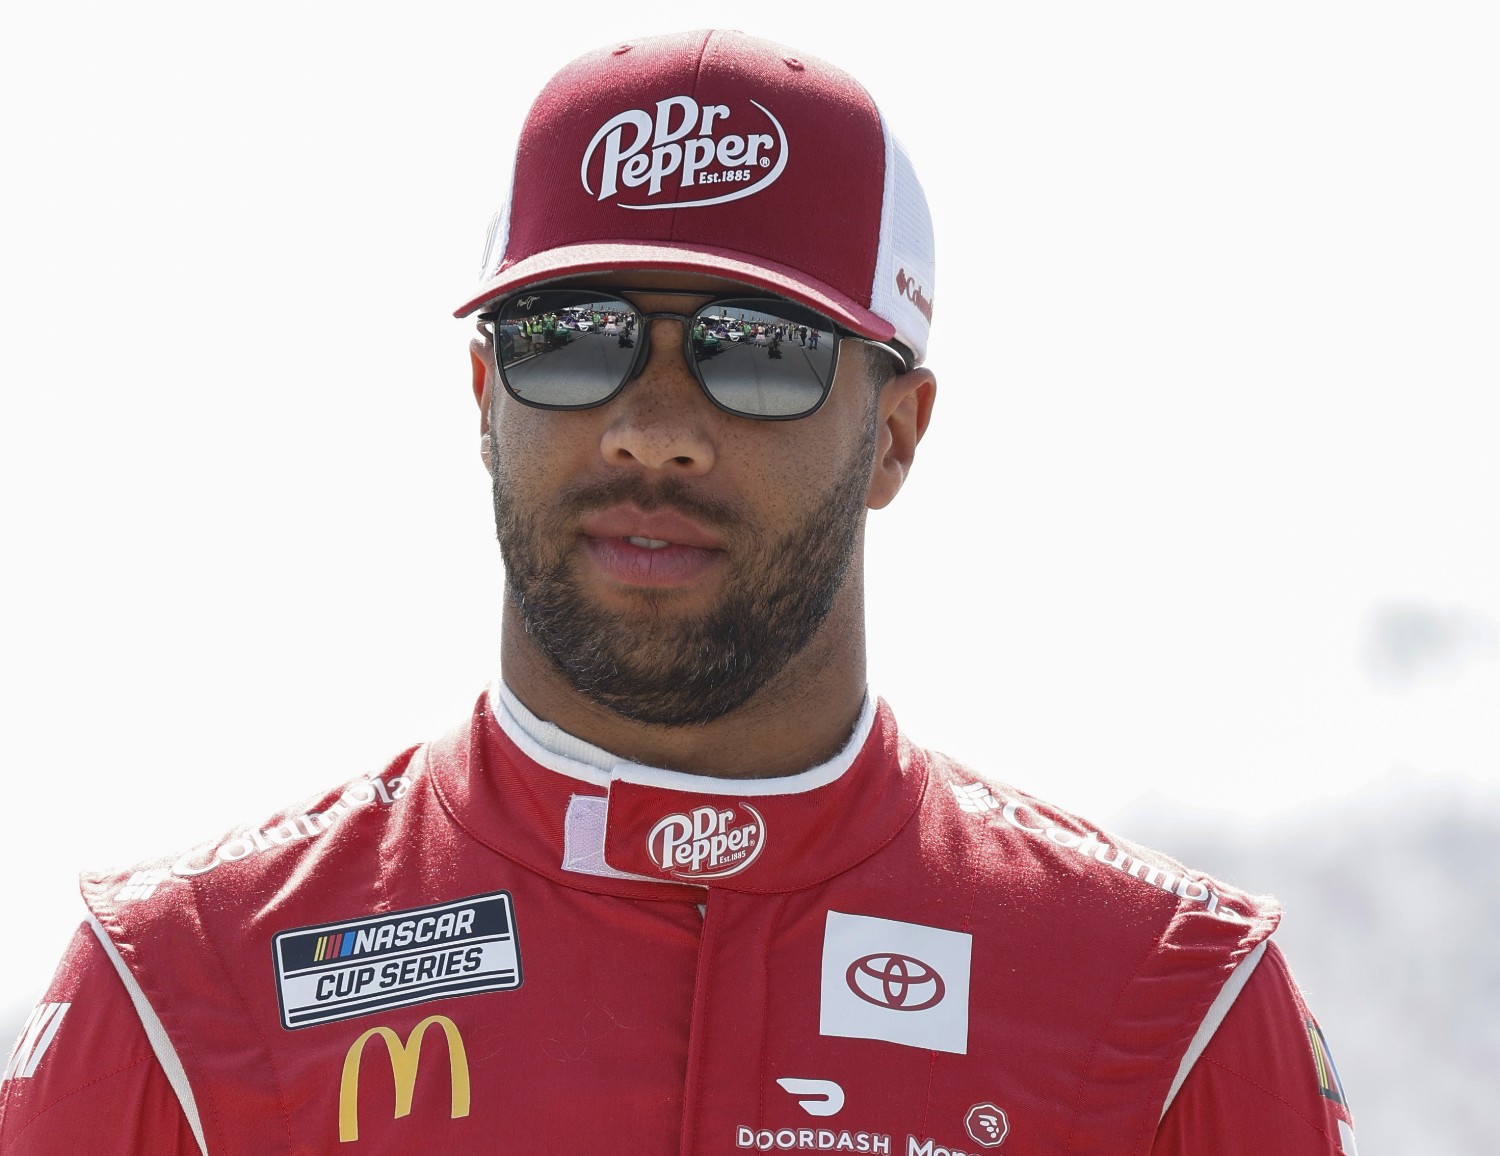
x: 668, y: 493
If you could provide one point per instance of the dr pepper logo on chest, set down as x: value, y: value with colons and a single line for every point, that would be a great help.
x: 683, y: 154
x: 706, y: 842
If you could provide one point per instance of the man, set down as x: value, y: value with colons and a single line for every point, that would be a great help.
x: 679, y: 884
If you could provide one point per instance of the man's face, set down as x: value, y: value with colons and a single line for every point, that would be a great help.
x: 667, y: 557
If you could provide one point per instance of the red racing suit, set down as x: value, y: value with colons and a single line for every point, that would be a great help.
x: 494, y: 947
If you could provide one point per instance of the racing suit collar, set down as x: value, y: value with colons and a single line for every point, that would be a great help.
x: 560, y: 751
x: 567, y: 810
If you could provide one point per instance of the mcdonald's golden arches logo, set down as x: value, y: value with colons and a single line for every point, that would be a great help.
x: 405, y: 1057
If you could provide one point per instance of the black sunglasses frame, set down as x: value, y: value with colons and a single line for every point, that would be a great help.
x: 782, y: 307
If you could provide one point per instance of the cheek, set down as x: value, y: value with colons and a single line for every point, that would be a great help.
x: 791, y: 470
x: 534, y: 449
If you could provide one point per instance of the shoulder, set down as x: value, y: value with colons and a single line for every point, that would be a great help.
x: 1259, y: 1076
x: 225, y: 879
x: 84, y: 1076
x: 184, y: 932
x: 1067, y: 855
x: 1120, y: 949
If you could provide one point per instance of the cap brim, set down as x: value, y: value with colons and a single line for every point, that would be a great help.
x: 599, y: 257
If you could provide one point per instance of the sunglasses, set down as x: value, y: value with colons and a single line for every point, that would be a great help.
x: 757, y: 357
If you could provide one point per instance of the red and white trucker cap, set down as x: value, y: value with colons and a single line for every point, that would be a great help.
x: 716, y: 152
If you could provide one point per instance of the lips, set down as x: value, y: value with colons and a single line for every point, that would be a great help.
x: 659, y: 547
x: 660, y: 525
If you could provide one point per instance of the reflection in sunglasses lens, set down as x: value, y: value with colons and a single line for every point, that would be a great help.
x: 761, y: 363
x: 566, y: 349
x: 575, y: 348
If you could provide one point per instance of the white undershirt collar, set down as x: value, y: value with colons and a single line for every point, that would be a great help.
x: 557, y: 750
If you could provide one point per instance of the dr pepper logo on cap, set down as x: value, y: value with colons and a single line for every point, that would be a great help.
x: 697, y: 154
x: 706, y: 842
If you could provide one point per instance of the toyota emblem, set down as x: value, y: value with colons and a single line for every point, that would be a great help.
x: 897, y: 982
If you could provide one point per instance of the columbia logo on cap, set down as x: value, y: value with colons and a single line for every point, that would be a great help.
x: 908, y: 288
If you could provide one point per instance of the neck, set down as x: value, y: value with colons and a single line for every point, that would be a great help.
x: 801, y: 718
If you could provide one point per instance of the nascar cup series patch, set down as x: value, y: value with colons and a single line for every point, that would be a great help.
x: 340, y: 970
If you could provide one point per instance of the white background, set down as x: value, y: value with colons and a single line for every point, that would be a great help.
x: 1206, y: 515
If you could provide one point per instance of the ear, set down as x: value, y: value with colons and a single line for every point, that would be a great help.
x: 904, y: 408
x: 479, y: 363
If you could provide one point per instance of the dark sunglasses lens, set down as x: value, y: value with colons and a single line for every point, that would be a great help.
x: 764, y: 358
x: 565, y: 349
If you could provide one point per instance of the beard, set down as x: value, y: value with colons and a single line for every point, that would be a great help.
x: 650, y: 665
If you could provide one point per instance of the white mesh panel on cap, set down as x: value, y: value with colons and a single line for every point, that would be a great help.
x: 494, y: 244
x: 498, y: 239
x: 905, y: 267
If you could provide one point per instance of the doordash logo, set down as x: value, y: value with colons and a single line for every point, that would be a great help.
x: 719, y: 153
x: 707, y: 843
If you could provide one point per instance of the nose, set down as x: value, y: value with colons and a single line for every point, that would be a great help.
x: 661, y: 420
